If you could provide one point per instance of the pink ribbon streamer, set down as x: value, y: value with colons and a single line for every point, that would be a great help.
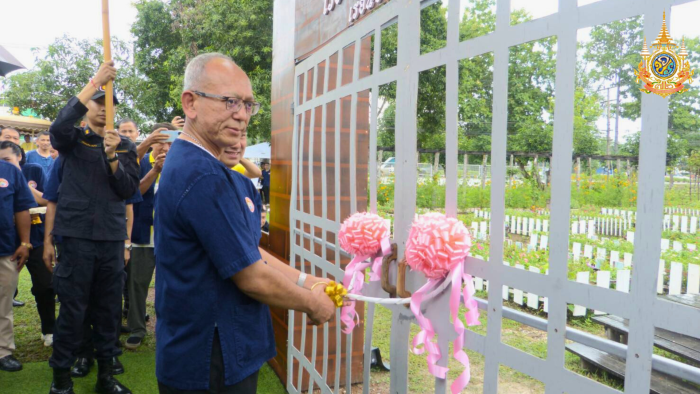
x: 427, y: 333
x: 354, y: 280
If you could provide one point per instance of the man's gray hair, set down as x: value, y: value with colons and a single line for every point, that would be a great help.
x: 194, y: 72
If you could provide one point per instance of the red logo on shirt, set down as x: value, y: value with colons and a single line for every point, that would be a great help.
x: 251, y: 206
x: 32, y: 184
x: 4, y: 182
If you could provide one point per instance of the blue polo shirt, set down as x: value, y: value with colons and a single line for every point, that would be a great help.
x: 207, y: 229
x: 35, y: 176
x: 15, y: 196
x: 35, y: 158
x: 143, y: 212
x: 265, y: 178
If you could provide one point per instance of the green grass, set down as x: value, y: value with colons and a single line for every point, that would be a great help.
x: 36, y: 375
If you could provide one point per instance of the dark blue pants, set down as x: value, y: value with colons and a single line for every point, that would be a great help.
x: 90, y: 274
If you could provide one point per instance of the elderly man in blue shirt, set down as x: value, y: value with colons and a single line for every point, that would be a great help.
x: 212, y: 287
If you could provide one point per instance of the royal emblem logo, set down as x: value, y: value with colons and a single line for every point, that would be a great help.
x: 251, y: 206
x: 4, y: 182
x: 664, y: 71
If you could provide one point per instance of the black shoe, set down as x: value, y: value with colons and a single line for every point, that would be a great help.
x: 10, y: 364
x: 148, y: 317
x: 16, y: 303
x: 106, y: 383
x: 133, y: 343
x: 82, y: 367
x: 62, y: 384
x: 117, y: 367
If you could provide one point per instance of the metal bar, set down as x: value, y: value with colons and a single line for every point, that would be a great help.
x: 661, y: 364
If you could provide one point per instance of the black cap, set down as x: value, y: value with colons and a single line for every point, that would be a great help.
x: 101, y: 93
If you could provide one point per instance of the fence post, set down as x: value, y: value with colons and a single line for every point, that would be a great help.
x: 436, y: 163
x: 578, y: 173
x: 483, y: 171
x: 380, y: 160
x: 464, y: 172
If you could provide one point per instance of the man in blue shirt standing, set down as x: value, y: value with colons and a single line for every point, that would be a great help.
x: 212, y: 288
x: 42, y: 154
x: 41, y: 277
x: 15, y: 222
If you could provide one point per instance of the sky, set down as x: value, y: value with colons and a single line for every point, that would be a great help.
x: 37, y: 23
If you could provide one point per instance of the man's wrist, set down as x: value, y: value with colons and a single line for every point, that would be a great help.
x: 26, y: 245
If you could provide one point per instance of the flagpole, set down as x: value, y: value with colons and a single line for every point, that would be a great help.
x: 107, y: 47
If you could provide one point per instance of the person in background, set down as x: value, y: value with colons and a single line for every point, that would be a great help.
x: 264, y: 225
x: 143, y: 261
x: 12, y: 135
x: 9, y: 134
x: 41, y: 277
x: 100, y: 172
x: 42, y: 155
x: 15, y: 222
x: 27, y: 145
x: 265, y: 182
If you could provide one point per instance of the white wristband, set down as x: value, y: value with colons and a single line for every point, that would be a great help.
x: 301, y: 280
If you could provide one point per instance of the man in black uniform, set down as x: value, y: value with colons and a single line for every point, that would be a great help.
x: 100, y: 171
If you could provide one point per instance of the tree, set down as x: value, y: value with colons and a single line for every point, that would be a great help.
x: 614, y: 52
x: 68, y: 65
x: 169, y: 34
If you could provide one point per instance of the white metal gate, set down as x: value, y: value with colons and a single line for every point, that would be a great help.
x: 312, y: 230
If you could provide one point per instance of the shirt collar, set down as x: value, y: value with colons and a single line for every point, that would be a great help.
x: 200, y: 147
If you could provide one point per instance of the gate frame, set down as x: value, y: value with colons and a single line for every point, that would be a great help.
x: 641, y: 306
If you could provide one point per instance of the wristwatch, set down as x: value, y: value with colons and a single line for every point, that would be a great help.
x: 115, y: 158
x: 128, y: 247
x: 26, y: 245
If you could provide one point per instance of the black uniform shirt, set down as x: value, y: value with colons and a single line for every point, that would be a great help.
x: 91, y: 198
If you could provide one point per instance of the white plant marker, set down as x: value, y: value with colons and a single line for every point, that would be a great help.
x: 518, y: 294
x: 684, y: 224
x: 623, y: 281
x: 505, y: 288
x: 660, y: 278
x: 693, y: 224
x: 693, y: 279
x: 574, y: 228
x: 581, y: 277
x: 601, y: 254
x: 591, y: 227
x: 692, y: 247
x: 664, y: 244
x: 533, y: 240
x: 630, y: 236
x: 602, y: 280
x: 533, y: 300
x: 543, y: 242
x: 628, y: 259
x: 545, y: 226
x: 588, y: 251
x: 614, y: 257
x: 677, y: 246
x: 676, y: 278
x: 577, y: 251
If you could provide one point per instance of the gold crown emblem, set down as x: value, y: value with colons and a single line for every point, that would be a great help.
x: 663, y: 70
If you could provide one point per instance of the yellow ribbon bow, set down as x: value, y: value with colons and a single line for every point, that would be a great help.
x: 336, y: 291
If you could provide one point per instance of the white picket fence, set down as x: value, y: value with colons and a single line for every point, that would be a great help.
x: 603, y: 279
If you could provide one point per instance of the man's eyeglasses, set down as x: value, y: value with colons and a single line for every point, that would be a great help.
x: 233, y: 104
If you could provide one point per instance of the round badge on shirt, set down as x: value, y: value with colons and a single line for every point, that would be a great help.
x: 251, y: 206
x: 4, y: 182
x: 32, y: 184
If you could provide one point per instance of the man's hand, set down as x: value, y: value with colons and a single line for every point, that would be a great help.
x: 21, y: 256
x: 158, y: 165
x: 106, y: 73
x: 156, y: 137
x: 324, y: 309
x: 127, y: 257
x: 49, y: 255
x: 178, y: 122
x: 112, y: 140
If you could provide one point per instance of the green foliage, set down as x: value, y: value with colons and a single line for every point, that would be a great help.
x: 169, y: 34
x: 67, y: 67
